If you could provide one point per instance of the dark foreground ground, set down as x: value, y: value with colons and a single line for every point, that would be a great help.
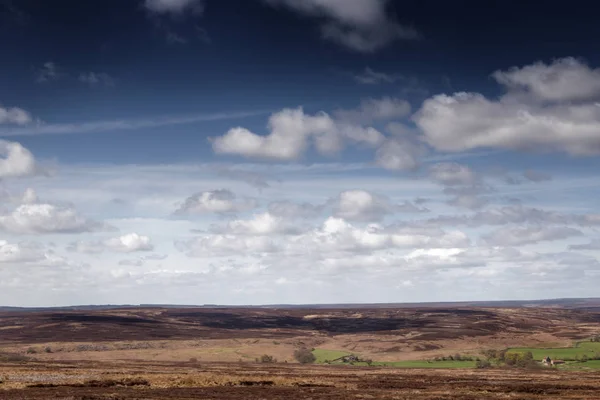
x: 81, y: 380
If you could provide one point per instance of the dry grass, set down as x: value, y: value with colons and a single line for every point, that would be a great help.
x: 244, y: 380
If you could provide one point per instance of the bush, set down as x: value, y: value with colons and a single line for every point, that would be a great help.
x: 482, y: 364
x: 193, y: 360
x: 31, y: 350
x: 304, y: 356
x: 48, y: 349
x: 266, y: 359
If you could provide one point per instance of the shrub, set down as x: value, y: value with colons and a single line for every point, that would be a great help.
x: 48, y: 349
x: 482, y: 364
x: 193, y: 360
x: 304, y: 356
x: 267, y: 359
x: 31, y: 350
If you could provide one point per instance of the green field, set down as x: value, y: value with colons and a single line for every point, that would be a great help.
x: 561, y: 353
x: 427, y: 364
x: 328, y: 355
x: 323, y: 355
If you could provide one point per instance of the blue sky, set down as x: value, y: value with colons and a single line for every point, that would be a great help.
x: 236, y: 152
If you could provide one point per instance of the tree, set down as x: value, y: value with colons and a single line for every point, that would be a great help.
x: 304, y: 356
x: 482, y: 364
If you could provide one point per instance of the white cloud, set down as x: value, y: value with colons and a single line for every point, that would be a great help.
x: 48, y: 72
x: 260, y: 224
x: 337, y: 235
x: 174, y: 6
x: 217, y: 201
x: 14, y: 115
x: 359, y: 25
x: 397, y: 155
x: 545, y: 109
x: 129, y: 243
x: 520, y: 236
x: 566, y: 79
x: 20, y: 252
x: 226, y: 245
x: 291, y: 131
x: 360, y: 205
x: 371, y: 77
x: 16, y: 160
x: 96, y: 79
x: 42, y: 218
x: 371, y: 110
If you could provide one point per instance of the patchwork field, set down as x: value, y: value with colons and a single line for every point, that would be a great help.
x: 416, y: 353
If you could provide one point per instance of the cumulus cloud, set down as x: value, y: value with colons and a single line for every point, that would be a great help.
x: 360, y: 205
x: 16, y: 160
x: 14, y: 115
x: 461, y: 183
x: 20, y: 252
x: 291, y: 132
x: 371, y: 77
x: 359, y: 25
x: 565, y: 79
x: 371, y: 110
x: 546, y: 108
x: 33, y: 217
x: 220, y: 245
x: 260, y: 224
x: 219, y: 201
x: 337, y: 235
x: 174, y: 6
x: 397, y: 155
x: 95, y: 79
x: 520, y: 236
x: 129, y: 243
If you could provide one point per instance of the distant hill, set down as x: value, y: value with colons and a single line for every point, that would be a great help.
x: 569, y: 303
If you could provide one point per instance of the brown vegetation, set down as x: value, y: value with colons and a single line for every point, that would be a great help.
x: 149, y: 380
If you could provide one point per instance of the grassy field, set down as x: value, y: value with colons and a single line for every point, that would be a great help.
x: 427, y: 364
x: 569, y: 353
x: 323, y: 355
x: 575, y: 365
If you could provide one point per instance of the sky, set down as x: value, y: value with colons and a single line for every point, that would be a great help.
x: 297, y: 151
